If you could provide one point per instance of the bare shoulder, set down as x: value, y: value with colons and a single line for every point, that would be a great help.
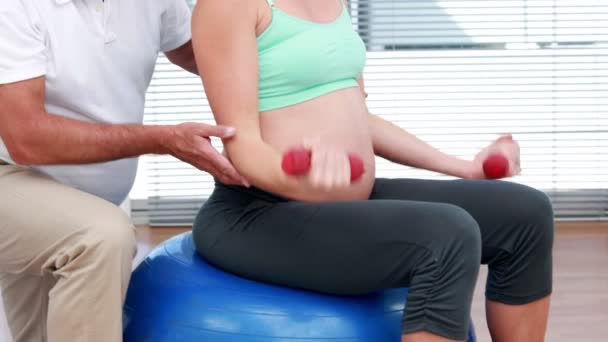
x: 233, y: 14
x: 228, y: 10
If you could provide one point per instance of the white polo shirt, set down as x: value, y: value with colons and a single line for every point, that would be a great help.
x: 98, y: 58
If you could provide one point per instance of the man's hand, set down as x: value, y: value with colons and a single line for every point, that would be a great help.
x: 190, y: 143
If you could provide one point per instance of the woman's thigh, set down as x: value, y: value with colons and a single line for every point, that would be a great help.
x: 507, y: 213
x: 341, y: 247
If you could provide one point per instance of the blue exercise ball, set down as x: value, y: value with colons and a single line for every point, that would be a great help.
x: 175, y: 296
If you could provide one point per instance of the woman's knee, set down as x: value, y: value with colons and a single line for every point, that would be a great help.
x: 542, y: 217
x: 532, y: 217
x: 522, y: 270
x: 525, y: 203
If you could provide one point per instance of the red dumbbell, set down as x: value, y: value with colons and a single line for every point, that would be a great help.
x: 296, y: 162
x: 496, y: 166
x: 356, y: 166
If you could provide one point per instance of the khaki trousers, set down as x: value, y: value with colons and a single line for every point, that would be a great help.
x: 65, y: 260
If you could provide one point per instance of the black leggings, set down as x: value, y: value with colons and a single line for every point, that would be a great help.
x: 430, y: 236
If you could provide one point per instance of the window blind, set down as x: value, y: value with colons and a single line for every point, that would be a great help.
x: 457, y: 74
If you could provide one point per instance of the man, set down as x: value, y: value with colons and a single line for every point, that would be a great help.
x: 73, y: 75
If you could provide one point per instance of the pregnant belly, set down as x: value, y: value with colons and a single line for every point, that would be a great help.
x: 339, y: 119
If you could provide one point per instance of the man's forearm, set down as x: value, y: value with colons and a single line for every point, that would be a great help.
x: 397, y: 145
x: 59, y: 140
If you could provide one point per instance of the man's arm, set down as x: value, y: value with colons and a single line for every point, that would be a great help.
x: 35, y: 137
x: 183, y: 57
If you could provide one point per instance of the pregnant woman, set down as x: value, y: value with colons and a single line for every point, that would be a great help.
x: 287, y: 74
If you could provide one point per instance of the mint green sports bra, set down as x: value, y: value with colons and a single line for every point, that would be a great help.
x: 300, y: 60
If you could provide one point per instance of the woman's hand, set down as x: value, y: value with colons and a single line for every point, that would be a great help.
x: 329, y: 167
x: 506, y: 146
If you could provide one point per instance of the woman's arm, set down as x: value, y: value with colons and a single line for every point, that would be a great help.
x: 225, y: 47
x: 397, y: 145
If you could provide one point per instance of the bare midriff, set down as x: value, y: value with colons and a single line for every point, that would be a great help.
x: 339, y: 118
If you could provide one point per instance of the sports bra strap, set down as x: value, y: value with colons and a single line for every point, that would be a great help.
x: 270, y: 3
